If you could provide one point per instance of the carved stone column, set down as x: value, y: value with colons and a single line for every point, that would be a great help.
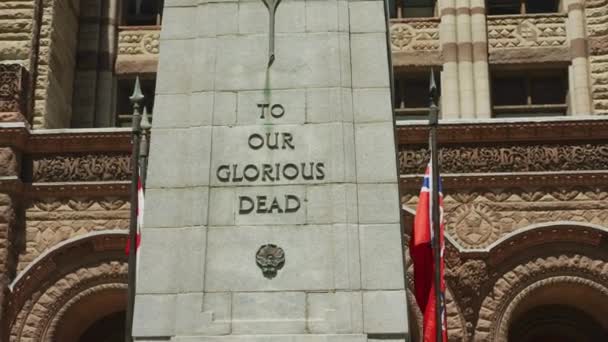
x: 480, y: 59
x: 465, y: 59
x: 450, y: 104
x: 106, y: 81
x: 579, y: 70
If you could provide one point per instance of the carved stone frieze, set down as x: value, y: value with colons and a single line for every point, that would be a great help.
x: 476, y: 218
x: 138, y: 42
x: 50, y: 221
x: 527, y: 31
x: 597, y: 17
x: 415, y: 35
x: 473, y: 223
x: 81, y: 167
x: 9, y: 165
x: 467, y: 280
x: 12, y: 92
x: 508, y: 158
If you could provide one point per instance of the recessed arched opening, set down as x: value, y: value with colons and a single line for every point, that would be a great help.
x: 108, y: 329
x: 98, y: 317
x: 556, y: 323
x: 561, y: 312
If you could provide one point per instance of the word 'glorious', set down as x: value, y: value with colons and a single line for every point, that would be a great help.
x: 270, y: 172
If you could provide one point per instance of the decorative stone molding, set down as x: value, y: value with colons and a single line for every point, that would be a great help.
x: 60, y: 141
x: 270, y: 258
x: 508, y: 158
x: 60, y: 275
x: 7, y: 251
x: 477, y: 218
x: 415, y: 35
x: 91, y: 162
x: 82, y: 167
x: 138, y: 49
x: 12, y: 92
x: 497, y: 131
x: 454, y: 182
x: 524, y: 31
x: 473, y: 223
x: 140, y: 41
x: 121, y: 285
x: 512, y: 286
x: 38, y: 318
x: 50, y: 221
x: 9, y: 163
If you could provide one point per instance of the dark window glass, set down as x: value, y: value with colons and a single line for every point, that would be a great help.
x: 143, y: 12
x: 548, y: 90
x: 530, y: 93
x: 541, y: 6
x: 499, y: 7
x: 411, y: 92
x: 509, y: 91
x: 416, y: 94
x: 412, y: 95
x: 392, y: 8
x: 418, y: 8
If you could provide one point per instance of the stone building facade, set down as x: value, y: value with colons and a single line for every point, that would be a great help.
x: 524, y: 91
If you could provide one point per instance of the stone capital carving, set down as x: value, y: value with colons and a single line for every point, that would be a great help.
x: 12, y: 92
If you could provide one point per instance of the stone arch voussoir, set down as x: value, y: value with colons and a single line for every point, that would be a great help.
x: 513, y: 286
x: 87, y: 266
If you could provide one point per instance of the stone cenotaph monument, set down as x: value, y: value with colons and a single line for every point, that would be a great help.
x: 272, y: 209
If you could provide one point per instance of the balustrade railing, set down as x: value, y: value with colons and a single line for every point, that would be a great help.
x: 525, y: 31
x: 419, y: 34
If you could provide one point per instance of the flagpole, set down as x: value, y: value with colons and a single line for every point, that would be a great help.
x: 136, y: 100
x: 435, y: 215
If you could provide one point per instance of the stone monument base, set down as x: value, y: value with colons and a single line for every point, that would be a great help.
x: 281, y: 338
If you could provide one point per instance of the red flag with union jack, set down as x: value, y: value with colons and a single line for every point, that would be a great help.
x: 421, y: 251
x: 140, y: 218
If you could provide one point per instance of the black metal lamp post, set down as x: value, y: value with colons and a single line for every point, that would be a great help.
x: 435, y: 215
x: 139, y: 156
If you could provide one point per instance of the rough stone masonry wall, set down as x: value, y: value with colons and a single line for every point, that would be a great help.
x: 56, y: 64
x: 16, y: 24
x: 7, y: 218
x: 597, y: 27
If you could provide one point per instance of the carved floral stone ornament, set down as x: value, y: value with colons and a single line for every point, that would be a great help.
x: 270, y: 258
x: 402, y: 35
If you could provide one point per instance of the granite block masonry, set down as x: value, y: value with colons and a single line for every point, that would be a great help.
x: 272, y: 193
